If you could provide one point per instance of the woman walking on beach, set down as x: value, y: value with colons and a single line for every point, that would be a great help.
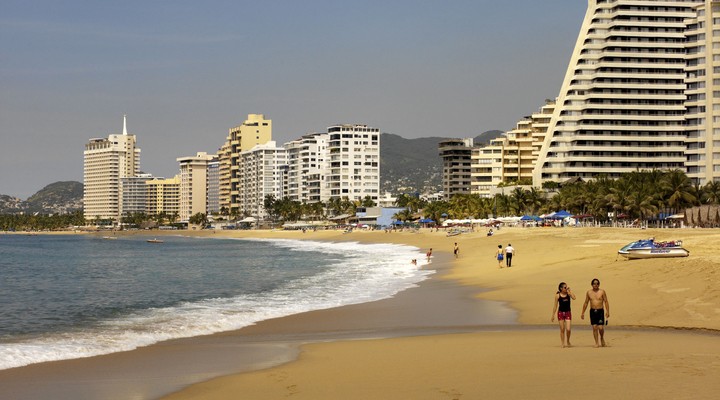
x: 562, y: 306
x: 499, y: 256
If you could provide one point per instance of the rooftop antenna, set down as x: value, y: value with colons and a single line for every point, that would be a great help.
x: 125, y: 124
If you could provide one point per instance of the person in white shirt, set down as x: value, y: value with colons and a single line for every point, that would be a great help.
x: 509, y: 251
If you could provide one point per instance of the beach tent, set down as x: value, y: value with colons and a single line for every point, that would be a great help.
x: 530, y: 218
x: 562, y: 214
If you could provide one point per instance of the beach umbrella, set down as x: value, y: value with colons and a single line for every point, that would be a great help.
x: 426, y: 221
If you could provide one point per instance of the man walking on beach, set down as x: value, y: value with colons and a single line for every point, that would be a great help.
x: 597, y: 298
x: 456, y: 250
x: 509, y: 251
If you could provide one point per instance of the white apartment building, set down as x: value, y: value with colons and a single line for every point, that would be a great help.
x: 622, y: 104
x: 261, y: 174
x: 353, y: 157
x: 134, y: 194
x: 306, y: 162
x: 194, y: 184
x: 105, y: 163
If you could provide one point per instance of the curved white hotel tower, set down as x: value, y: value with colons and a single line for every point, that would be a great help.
x: 634, y: 93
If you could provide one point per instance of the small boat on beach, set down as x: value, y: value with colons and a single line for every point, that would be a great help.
x: 649, y: 248
x: 155, y: 241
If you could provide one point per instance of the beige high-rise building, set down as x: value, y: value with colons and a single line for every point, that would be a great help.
x: 194, y: 184
x: 513, y: 156
x: 622, y: 104
x: 254, y: 131
x: 105, y: 163
x: 163, y: 196
x: 702, y: 104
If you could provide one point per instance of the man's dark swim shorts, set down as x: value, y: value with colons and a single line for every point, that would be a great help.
x: 597, y: 316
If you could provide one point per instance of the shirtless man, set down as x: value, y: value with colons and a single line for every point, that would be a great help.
x: 598, y: 316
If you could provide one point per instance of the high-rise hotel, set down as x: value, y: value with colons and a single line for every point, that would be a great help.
x: 642, y: 91
x: 254, y: 131
x: 106, y: 162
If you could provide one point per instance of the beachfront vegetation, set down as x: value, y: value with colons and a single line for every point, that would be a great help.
x: 30, y: 222
x: 641, y: 195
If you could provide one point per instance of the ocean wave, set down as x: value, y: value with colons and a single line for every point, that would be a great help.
x: 361, y: 273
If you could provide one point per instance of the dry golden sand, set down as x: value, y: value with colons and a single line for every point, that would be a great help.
x: 525, y: 364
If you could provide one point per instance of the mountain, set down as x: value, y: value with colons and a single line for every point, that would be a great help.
x: 485, y: 137
x: 55, y: 198
x: 409, y: 165
x: 414, y: 165
x: 10, y: 205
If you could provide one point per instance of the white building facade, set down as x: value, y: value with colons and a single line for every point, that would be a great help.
x: 262, y: 173
x: 622, y: 104
x: 306, y: 167
x: 105, y: 163
x: 353, y: 159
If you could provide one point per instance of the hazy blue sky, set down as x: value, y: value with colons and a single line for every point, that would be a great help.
x: 186, y: 71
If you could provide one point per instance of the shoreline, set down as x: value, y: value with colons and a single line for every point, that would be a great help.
x: 475, y: 279
x: 265, y: 344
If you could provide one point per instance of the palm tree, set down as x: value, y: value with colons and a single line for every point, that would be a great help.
x: 404, y: 215
x: 367, y: 202
x: 619, y: 196
x: 711, y: 193
x: 518, y: 200
x: 435, y: 210
x: 678, y: 190
x: 534, y: 199
x: 502, y: 204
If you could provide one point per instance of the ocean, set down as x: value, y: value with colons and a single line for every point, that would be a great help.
x: 73, y: 296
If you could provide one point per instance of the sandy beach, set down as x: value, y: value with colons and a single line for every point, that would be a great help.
x: 471, y: 331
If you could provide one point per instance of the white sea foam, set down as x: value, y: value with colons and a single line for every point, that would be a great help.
x: 366, y: 273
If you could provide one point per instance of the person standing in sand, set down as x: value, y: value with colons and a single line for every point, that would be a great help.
x: 564, y: 315
x: 597, y: 298
x: 509, y: 251
x: 499, y: 256
x: 456, y: 250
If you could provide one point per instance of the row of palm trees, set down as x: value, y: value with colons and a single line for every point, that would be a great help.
x: 638, y: 195
x: 17, y: 222
x: 286, y: 209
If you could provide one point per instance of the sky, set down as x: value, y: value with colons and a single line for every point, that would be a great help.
x: 185, y: 72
